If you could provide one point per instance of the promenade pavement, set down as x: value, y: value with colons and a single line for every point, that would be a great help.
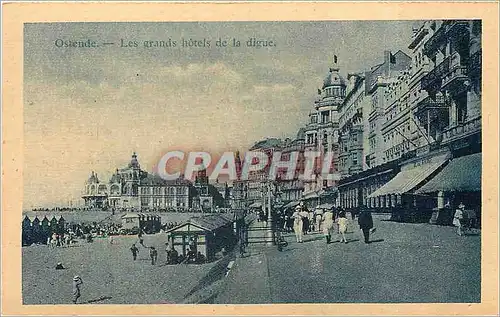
x: 405, y: 263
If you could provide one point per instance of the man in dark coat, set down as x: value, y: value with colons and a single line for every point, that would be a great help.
x: 365, y: 222
x: 134, y: 251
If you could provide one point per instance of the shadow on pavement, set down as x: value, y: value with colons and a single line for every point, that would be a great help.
x: 375, y: 241
x: 315, y: 239
x: 354, y: 240
x: 216, y: 273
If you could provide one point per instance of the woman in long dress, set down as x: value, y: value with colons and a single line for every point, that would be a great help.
x: 328, y: 225
x: 458, y: 218
x: 297, y: 224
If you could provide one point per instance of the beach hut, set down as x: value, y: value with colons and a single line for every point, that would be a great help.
x: 206, y: 234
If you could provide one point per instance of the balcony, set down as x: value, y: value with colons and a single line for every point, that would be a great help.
x: 456, y: 76
x: 462, y: 130
x: 449, y: 29
x: 431, y: 103
x: 475, y: 63
x: 432, y: 81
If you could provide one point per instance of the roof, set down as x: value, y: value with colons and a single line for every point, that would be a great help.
x: 152, y: 179
x: 301, y: 134
x: 156, y: 180
x: 333, y: 79
x: 93, y: 178
x: 461, y: 174
x: 207, y: 222
x: 74, y: 216
x: 267, y: 143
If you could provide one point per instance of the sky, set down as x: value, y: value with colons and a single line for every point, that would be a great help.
x: 88, y: 109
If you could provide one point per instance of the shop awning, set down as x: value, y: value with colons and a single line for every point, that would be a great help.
x: 325, y: 206
x: 462, y: 174
x: 410, y: 176
x: 311, y: 195
x: 292, y: 204
x: 255, y: 205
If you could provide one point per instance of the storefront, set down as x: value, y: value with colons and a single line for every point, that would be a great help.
x: 458, y: 182
x: 354, y: 190
x: 399, y: 195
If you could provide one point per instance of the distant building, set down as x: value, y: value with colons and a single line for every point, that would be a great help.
x: 292, y: 189
x: 132, y: 188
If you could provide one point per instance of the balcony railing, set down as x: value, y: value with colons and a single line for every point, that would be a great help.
x: 431, y: 103
x: 462, y: 130
x: 457, y: 71
x: 432, y: 81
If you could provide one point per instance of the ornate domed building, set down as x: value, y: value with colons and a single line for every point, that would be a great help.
x: 132, y: 188
x: 321, y: 133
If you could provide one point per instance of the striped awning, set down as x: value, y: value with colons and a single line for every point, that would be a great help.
x: 311, y: 195
x: 292, y: 204
x: 410, y: 176
x: 462, y: 174
x: 255, y: 205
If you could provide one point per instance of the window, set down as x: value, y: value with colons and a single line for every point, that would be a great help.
x: 325, y: 117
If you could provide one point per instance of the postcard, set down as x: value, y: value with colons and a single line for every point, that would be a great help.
x: 221, y: 158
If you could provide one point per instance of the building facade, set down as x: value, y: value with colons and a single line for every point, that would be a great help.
x: 425, y: 115
x: 132, y: 188
x: 321, y: 131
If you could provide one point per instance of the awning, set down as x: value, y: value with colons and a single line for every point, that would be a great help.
x: 325, y: 206
x: 462, y: 174
x: 255, y: 205
x: 292, y: 204
x: 410, y: 176
x: 310, y: 196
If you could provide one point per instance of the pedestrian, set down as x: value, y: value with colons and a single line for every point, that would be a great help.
x: 134, y: 250
x: 168, y: 251
x: 458, y: 218
x: 310, y: 220
x: 319, y: 217
x: 297, y: 224
x: 153, y: 254
x: 111, y: 240
x: 141, y: 240
x: 77, y: 282
x: 365, y: 222
x: 342, y: 222
x: 328, y: 225
x: 305, y: 218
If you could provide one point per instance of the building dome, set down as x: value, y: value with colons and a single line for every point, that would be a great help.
x: 134, y: 162
x: 334, y: 79
x: 301, y: 134
x: 93, y: 178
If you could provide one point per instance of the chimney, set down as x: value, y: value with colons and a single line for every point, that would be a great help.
x: 387, y: 57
